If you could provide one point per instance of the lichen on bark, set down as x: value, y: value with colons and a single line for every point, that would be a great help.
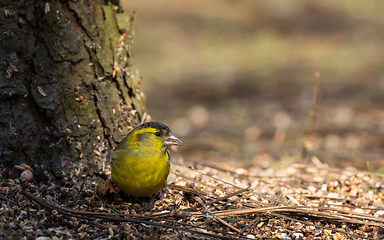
x: 69, y: 88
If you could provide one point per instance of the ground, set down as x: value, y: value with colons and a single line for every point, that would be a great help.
x: 204, y: 202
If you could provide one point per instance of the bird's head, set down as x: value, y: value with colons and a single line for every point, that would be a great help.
x: 156, y: 133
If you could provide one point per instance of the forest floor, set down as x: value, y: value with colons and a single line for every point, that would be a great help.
x: 203, y: 201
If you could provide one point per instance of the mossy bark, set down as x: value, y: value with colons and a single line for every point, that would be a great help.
x: 68, y: 88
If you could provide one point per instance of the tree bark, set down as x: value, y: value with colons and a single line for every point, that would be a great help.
x: 69, y: 90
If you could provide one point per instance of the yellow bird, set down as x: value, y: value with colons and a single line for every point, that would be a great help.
x: 140, y: 163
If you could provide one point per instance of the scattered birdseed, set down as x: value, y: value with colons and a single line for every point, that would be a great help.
x: 204, y: 201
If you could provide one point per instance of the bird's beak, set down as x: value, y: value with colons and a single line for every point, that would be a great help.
x: 171, y: 140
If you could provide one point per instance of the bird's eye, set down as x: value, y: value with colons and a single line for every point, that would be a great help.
x: 157, y: 134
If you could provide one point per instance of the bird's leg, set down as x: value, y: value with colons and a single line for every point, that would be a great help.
x: 150, y: 205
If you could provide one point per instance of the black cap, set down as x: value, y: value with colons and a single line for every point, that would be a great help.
x: 155, y: 125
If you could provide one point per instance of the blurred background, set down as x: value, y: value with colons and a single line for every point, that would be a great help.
x: 234, y: 79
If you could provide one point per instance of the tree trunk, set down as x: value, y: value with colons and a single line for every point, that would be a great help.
x: 68, y: 88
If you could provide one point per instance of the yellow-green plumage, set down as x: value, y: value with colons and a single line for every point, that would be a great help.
x: 140, y: 163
